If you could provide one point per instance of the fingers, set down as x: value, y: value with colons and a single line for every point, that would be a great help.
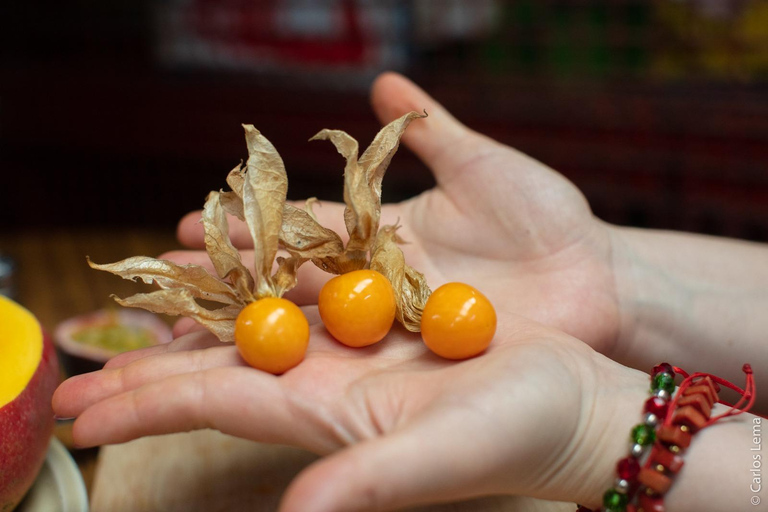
x: 81, y: 392
x: 239, y: 401
x: 192, y: 341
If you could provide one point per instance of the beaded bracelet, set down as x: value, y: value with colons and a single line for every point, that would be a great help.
x: 645, y: 475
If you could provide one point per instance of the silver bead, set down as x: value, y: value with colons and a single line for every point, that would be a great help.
x: 651, y: 419
x: 621, y: 485
x: 637, y: 450
x: 663, y: 394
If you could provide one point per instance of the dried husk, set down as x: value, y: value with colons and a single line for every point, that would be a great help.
x: 362, y: 211
x: 225, y: 258
x: 362, y: 188
x: 410, y: 286
x: 179, y: 301
x: 264, y: 191
x: 376, y: 159
x: 168, y: 275
x: 258, y: 195
x: 302, y: 236
x: 286, y: 277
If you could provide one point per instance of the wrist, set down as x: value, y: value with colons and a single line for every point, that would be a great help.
x: 648, y: 297
x: 612, y: 405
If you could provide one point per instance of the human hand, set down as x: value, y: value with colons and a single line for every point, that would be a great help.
x: 498, y: 220
x: 400, y: 426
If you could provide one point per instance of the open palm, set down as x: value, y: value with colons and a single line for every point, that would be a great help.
x: 402, y: 426
x: 498, y: 220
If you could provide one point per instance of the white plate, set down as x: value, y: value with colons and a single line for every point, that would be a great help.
x: 59, y: 486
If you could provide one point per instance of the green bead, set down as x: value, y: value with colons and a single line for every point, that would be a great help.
x: 663, y: 381
x: 643, y: 435
x: 614, y: 501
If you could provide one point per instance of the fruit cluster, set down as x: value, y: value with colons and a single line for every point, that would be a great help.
x: 373, y: 287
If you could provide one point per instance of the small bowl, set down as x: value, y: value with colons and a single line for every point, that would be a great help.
x: 59, y: 486
x: 88, y: 341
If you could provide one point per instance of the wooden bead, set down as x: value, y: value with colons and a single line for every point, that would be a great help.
x: 690, y: 417
x: 652, y: 479
x: 671, y: 462
x: 673, y: 434
x: 650, y: 503
x: 698, y: 401
x: 707, y: 381
x: 707, y: 390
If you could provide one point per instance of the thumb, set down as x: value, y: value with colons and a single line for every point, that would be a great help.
x: 436, y: 139
x: 398, y: 470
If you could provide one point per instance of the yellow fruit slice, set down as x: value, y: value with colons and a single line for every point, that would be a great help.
x: 21, y: 349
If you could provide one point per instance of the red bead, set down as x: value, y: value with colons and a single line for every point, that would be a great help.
x: 663, y: 368
x: 628, y: 469
x: 657, y: 406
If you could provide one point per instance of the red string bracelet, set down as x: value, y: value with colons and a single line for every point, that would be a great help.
x: 645, y: 476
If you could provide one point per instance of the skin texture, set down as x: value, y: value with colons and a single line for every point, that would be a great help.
x: 386, y: 414
x: 540, y: 413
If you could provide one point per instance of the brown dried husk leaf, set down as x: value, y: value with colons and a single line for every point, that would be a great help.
x: 302, y: 235
x: 362, y: 211
x: 376, y: 159
x: 286, y: 277
x: 232, y: 201
x: 264, y: 191
x: 410, y: 286
x: 225, y: 258
x: 168, y: 275
x: 221, y: 322
x: 362, y: 188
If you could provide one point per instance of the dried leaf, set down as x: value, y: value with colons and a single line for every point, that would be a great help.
x: 232, y: 201
x: 308, y: 207
x: 193, y: 278
x: 410, y: 286
x: 225, y: 258
x: 236, y: 179
x: 301, y: 235
x: 363, y: 208
x: 264, y: 192
x: 376, y: 158
x: 221, y: 322
x: 286, y: 276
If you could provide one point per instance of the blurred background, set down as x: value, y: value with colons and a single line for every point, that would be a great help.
x: 127, y: 112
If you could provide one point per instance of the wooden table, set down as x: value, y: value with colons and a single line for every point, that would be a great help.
x: 197, y: 471
x: 53, y: 280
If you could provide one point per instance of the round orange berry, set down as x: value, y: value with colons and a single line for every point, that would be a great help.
x: 272, y: 334
x: 358, y: 307
x: 458, y: 321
